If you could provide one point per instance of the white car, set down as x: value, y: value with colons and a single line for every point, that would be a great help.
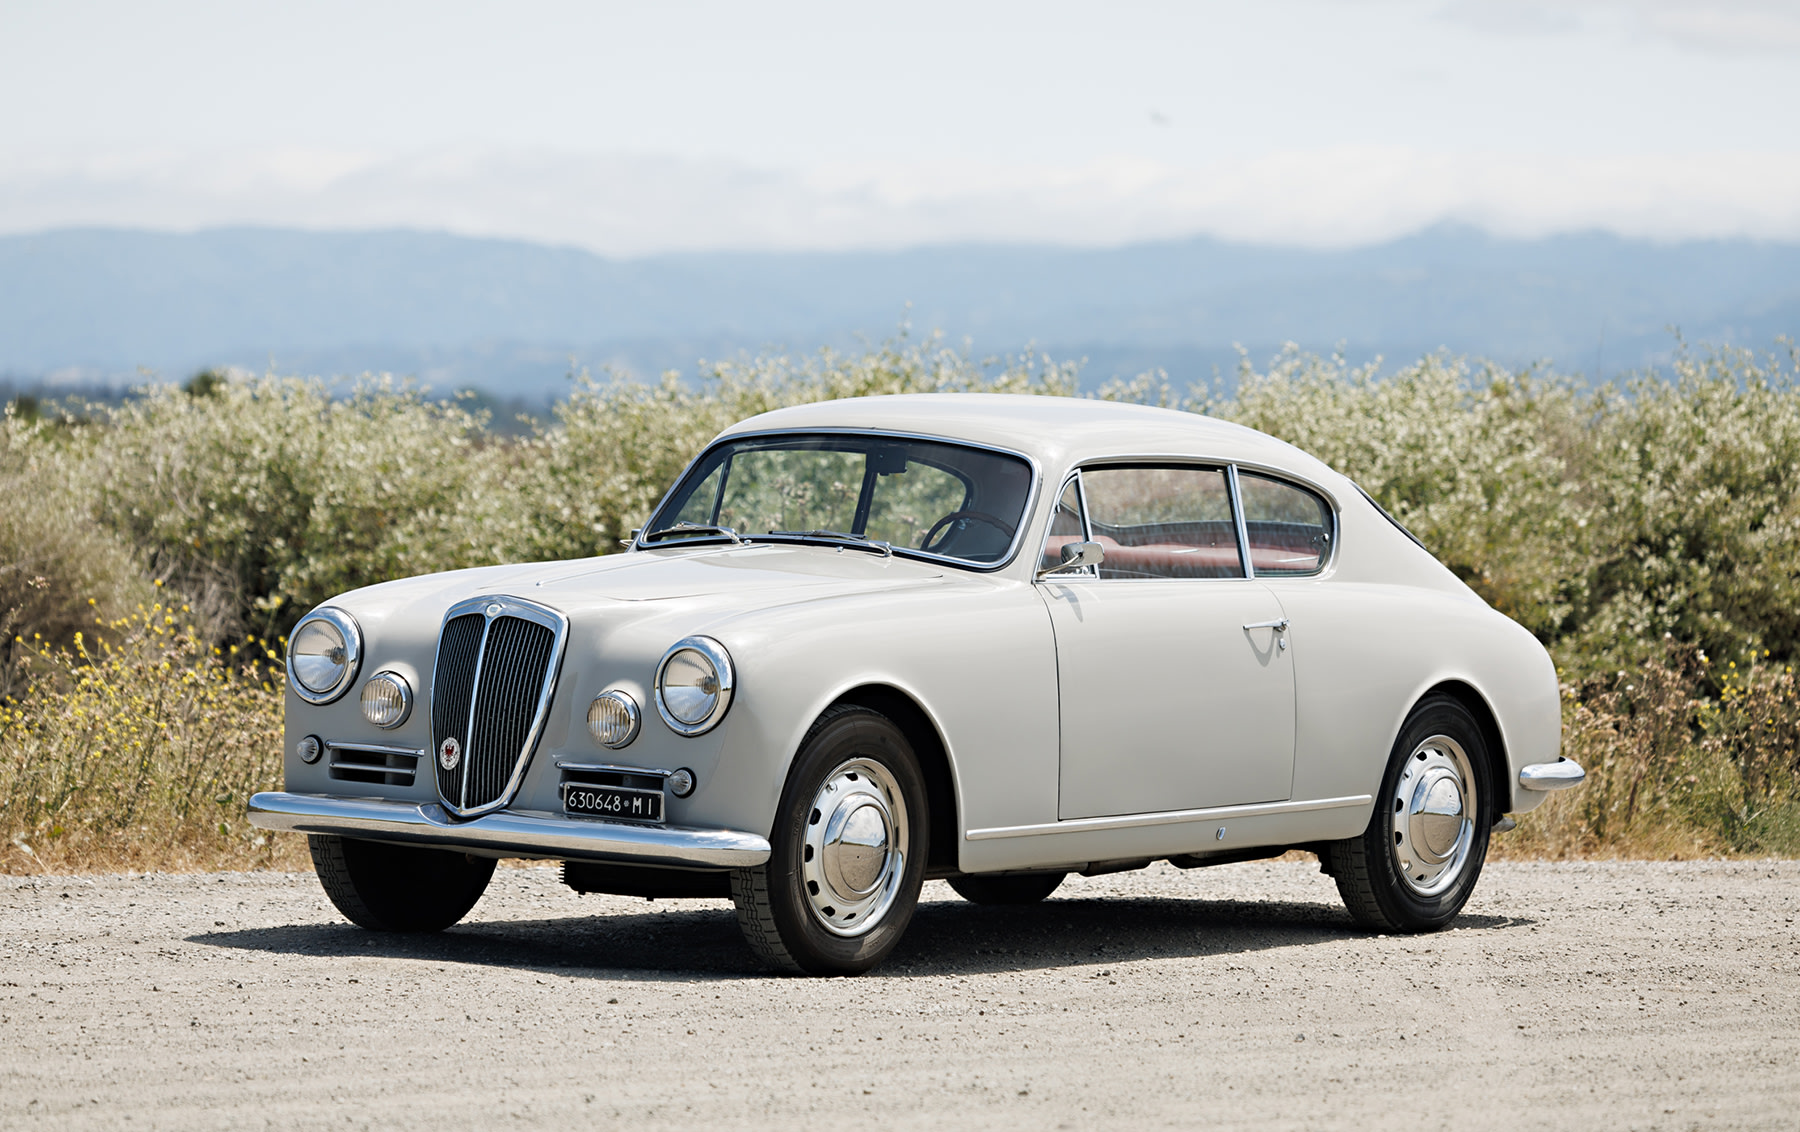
x: 862, y: 643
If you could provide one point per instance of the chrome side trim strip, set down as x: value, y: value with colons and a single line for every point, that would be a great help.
x: 612, y: 768
x: 510, y: 833
x: 1559, y: 775
x: 332, y: 746
x: 1169, y: 817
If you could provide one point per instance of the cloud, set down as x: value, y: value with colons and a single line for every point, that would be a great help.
x: 1723, y: 26
x: 634, y: 205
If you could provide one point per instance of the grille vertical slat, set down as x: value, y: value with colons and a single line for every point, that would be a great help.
x: 452, y: 685
x: 494, y: 716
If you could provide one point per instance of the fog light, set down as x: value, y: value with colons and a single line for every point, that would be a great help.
x: 386, y: 700
x: 612, y: 719
x: 681, y: 783
x: 309, y: 749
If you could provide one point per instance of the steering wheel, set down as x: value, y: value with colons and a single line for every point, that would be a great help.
x: 997, y: 523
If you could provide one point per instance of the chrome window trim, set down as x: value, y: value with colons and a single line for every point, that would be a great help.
x: 1237, y: 519
x: 714, y: 652
x: 1092, y: 573
x: 558, y: 624
x: 1026, y: 512
x: 1268, y: 471
x: 353, y: 647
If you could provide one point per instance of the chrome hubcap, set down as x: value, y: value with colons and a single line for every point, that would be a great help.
x: 1433, y: 810
x: 854, y: 854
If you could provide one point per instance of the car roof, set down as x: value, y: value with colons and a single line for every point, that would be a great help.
x: 1056, y: 431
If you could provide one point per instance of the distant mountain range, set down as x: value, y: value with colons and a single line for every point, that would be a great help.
x: 100, y: 306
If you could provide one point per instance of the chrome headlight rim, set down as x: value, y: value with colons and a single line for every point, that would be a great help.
x: 404, y: 694
x: 633, y: 715
x: 714, y: 653
x: 351, y: 633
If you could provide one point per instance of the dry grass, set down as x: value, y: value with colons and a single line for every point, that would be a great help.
x: 137, y: 751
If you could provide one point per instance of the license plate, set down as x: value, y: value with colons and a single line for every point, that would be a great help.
x: 623, y: 802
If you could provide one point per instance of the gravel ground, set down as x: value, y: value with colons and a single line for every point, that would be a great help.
x: 1586, y: 996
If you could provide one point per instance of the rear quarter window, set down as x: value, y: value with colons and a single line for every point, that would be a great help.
x: 1288, y: 527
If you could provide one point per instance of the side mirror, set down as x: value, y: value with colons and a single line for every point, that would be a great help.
x: 1075, y: 555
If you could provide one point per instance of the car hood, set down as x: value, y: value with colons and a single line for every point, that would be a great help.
x: 761, y: 575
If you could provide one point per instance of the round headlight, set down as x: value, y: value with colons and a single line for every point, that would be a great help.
x: 693, y: 685
x: 323, y: 655
x: 613, y: 719
x: 387, y: 700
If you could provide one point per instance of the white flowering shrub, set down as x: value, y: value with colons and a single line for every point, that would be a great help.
x: 1628, y: 527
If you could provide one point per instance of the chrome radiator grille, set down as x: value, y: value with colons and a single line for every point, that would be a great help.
x: 496, y: 668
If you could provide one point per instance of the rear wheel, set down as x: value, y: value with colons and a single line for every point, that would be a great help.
x: 847, y: 855
x: 1413, y: 869
x: 398, y: 888
x: 1028, y: 888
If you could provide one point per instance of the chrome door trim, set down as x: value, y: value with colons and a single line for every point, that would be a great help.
x: 1169, y: 817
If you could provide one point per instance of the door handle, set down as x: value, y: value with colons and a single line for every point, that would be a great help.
x: 1280, y: 625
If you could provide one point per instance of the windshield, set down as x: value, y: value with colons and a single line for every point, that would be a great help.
x: 922, y: 496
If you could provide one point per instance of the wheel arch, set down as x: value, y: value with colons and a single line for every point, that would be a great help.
x: 934, y: 762
x: 1499, y: 765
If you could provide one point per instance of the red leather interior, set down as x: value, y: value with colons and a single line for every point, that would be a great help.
x: 1174, y: 560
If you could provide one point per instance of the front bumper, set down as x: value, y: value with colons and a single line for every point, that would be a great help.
x: 509, y: 833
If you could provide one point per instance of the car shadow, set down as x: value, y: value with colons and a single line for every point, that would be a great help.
x: 946, y: 937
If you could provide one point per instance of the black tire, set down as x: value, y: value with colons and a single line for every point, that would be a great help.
x: 1027, y: 888
x: 782, y: 920
x: 398, y: 888
x: 1367, y: 868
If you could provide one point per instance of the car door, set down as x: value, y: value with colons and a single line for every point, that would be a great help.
x: 1175, y: 686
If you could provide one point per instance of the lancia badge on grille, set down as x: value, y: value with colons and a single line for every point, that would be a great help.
x: 449, y: 753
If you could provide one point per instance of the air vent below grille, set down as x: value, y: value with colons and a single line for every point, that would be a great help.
x: 382, y: 766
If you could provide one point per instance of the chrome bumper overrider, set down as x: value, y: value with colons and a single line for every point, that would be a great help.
x: 509, y: 832
x: 1559, y: 775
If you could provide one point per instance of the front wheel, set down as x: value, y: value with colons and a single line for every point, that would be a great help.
x: 1413, y: 869
x: 847, y: 854
x: 398, y: 888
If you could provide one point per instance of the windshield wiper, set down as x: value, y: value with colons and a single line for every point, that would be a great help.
x: 693, y: 530
x: 859, y: 542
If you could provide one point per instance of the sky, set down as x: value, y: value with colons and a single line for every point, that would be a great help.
x: 634, y: 129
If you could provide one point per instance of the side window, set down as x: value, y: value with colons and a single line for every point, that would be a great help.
x: 1162, y: 522
x: 1065, y: 528
x: 1289, y: 527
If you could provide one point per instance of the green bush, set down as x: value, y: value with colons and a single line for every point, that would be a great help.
x: 58, y: 568
x: 287, y: 495
x: 1648, y: 533
x: 1600, y: 519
